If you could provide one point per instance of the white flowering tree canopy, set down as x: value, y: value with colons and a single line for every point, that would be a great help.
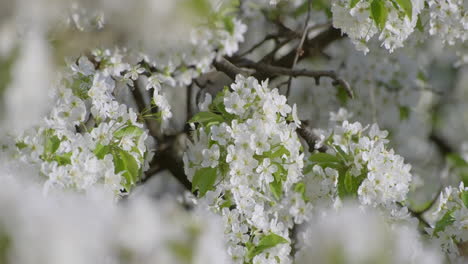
x: 234, y: 131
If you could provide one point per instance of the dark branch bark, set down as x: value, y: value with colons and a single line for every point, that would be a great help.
x: 268, y: 71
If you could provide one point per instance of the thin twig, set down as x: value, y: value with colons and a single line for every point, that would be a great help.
x: 271, y: 71
x: 299, y: 50
x: 254, y: 47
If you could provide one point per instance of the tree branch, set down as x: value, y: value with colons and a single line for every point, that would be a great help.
x: 269, y: 71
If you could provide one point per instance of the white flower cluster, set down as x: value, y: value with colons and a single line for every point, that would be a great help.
x: 246, y: 157
x: 354, y: 236
x: 73, y: 228
x: 451, y: 228
x: 358, y: 164
x: 449, y: 20
x: 90, y: 137
x: 363, y: 19
x: 208, y: 42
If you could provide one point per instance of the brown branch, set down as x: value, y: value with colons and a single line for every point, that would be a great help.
x: 268, y: 71
x: 228, y: 68
x: 311, y: 47
x: 310, y: 138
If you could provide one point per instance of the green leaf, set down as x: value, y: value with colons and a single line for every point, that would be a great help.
x: 51, y: 144
x: 265, y: 243
x: 129, y: 130
x: 456, y: 160
x: 464, y: 197
x: 419, y: 24
x: 268, y: 242
x: 341, y: 94
x: 228, y: 24
x: 206, y: 117
x: 101, y: 150
x: 204, y: 180
x: 404, y: 112
x: 63, y: 159
x: 379, y: 13
x: 323, y: 158
x: 445, y: 221
x: 276, y: 188
x: 301, y: 188
x: 348, y: 185
x: 126, y: 163
x: 407, y: 6
x: 279, y: 152
x: 21, y: 145
x: 354, y: 3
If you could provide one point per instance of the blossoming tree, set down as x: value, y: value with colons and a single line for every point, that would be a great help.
x: 234, y: 131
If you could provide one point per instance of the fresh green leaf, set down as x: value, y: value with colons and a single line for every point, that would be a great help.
x: 445, y: 221
x: 51, y: 144
x: 407, y: 6
x: 276, y: 188
x: 267, y: 242
x: 301, y: 188
x: 204, y: 180
x: 279, y: 152
x: 101, y: 150
x: 206, y: 117
x: 126, y: 163
x: 348, y: 185
x: 341, y: 94
x: 228, y: 24
x: 63, y: 159
x: 21, y: 145
x: 379, y: 13
x: 404, y: 112
x: 354, y: 3
x: 323, y: 158
x: 456, y: 160
x: 129, y: 130
x: 419, y: 24
x: 464, y: 197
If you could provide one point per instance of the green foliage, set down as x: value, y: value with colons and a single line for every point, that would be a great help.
x: 379, y: 13
x: 404, y: 112
x: 6, y: 65
x: 63, y: 159
x: 464, y: 197
x: 101, y: 150
x: 301, y: 188
x: 229, y: 24
x: 204, y: 180
x: 5, y: 245
x: 265, y: 243
x: 407, y: 6
x: 129, y: 130
x: 324, y: 158
x: 348, y: 184
x: 354, y: 3
x: 445, y: 221
x: 341, y: 95
x: 80, y: 86
x: 276, y: 187
x: 206, y: 118
x: 459, y: 165
x: 124, y: 162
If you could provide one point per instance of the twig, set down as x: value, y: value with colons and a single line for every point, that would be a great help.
x: 299, y: 50
x: 271, y: 71
x: 309, y: 137
x: 254, y: 47
x: 228, y: 68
